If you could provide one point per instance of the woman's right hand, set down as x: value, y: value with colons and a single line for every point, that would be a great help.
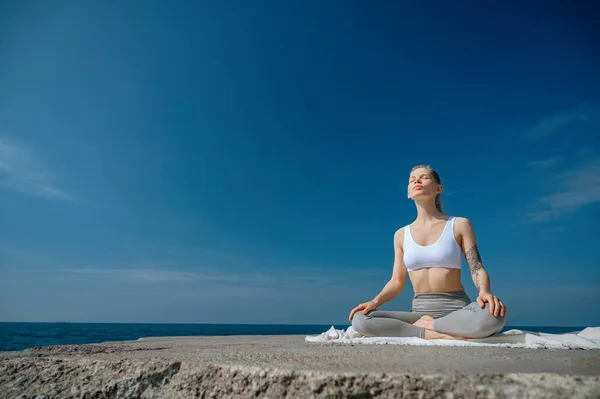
x: 365, y: 307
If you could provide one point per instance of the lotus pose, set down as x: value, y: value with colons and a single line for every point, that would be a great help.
x: 430, y: 252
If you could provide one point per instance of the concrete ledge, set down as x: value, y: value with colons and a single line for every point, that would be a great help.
x: 287, y: 367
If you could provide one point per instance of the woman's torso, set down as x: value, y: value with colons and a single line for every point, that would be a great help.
x: 440, y: 245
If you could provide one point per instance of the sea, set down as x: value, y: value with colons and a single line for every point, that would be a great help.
x: 19, y: 336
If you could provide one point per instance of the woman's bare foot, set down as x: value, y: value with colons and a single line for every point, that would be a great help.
x: 425, y: 322
x: 436, y: 335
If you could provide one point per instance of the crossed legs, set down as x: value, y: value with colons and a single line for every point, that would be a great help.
x: 468, y: 322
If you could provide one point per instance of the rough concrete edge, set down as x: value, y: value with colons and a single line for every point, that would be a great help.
x: 222, y: 380
x: 163, y: 378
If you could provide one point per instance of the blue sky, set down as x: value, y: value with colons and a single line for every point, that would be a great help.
x: 247, y: 162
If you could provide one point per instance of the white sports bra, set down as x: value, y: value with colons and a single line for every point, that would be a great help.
x: 444, y: 253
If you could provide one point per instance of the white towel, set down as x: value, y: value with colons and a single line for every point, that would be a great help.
x: 588, y: 338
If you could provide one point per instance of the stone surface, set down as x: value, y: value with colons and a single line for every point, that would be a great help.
x: 286, y: 366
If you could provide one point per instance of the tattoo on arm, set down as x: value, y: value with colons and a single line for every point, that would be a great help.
x: 475, y: 264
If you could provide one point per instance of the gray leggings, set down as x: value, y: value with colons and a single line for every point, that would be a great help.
x: 454, y: 314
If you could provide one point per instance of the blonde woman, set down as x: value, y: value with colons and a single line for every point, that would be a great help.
x: 429, y: 251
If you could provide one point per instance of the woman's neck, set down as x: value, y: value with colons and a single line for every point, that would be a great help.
x: 427, y: 213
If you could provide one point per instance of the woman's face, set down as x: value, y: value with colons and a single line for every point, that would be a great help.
x: 421, y: 184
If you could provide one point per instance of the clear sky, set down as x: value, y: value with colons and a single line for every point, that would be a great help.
x: 247, y: 162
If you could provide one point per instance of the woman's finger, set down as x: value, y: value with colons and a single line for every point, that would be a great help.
x: 490, y: 300
x: 502, y: 309
x: 356, y: 309
x: 480, y: 302
x: 368, y: 307
x: 497, y: 308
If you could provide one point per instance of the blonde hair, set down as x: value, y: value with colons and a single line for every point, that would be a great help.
x: 436, y: 177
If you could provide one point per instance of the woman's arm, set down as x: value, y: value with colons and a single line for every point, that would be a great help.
x: 396, y: 283
x: 480, y: 276
x: 399, y: 273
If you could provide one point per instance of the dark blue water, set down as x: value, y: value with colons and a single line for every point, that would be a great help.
x: 19, y: 336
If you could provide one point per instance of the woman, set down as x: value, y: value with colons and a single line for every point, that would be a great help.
x: 430, y: 252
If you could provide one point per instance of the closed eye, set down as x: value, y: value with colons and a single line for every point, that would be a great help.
x: 412, y: 179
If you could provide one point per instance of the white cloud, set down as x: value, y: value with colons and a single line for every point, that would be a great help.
x: 21, y: 170
x: 140, y: 274
x: 576, y: 188
x: 207, y: 275
x: 583, y: 290
x: 250, y: 278
x: 555, y: 123
x: 544, y: 164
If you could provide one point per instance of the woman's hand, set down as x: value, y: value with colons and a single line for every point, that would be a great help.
x: 365, y: 307
x: 497, y: 308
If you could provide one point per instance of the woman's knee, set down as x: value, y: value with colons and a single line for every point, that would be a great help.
x: 359, y: 323
x: 486, y: 323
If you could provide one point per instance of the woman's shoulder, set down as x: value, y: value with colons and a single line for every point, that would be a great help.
x: 462, y: 223
x: 399, y: 236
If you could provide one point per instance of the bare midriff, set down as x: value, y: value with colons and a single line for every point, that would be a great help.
x: 436, y: 279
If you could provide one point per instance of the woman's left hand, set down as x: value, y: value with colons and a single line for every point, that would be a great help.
x: 497, y: 308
